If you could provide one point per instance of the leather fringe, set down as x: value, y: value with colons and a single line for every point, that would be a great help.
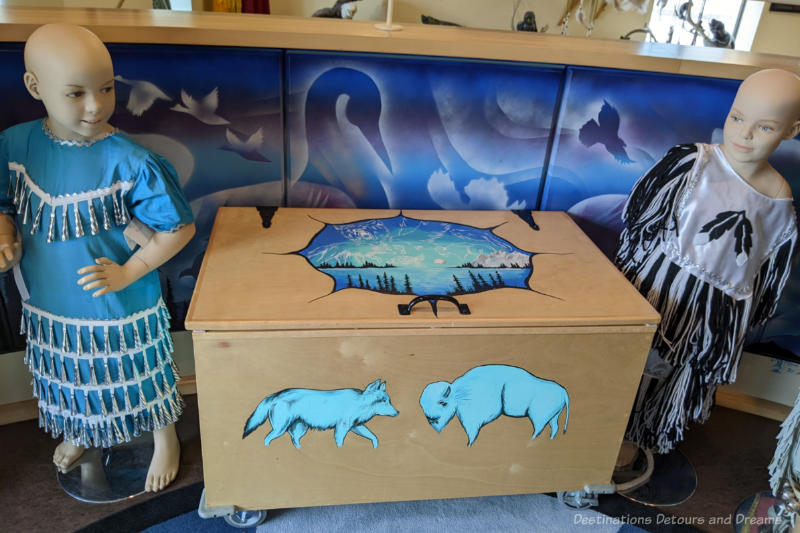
x: 702, y: 329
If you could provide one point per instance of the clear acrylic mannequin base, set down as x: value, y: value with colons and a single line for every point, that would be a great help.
x: 107, y: 475
x: 673, y: 481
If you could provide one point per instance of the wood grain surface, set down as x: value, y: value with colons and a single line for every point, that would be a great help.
x: 252, y: 279
x: 235, y: 371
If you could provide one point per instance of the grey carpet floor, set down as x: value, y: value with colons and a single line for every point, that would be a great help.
x: 508, y: 514
x: 529, y: 513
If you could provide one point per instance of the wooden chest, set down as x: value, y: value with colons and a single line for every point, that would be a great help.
x: 299, y: 338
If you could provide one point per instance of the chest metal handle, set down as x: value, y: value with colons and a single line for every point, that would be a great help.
x: 405, y: 309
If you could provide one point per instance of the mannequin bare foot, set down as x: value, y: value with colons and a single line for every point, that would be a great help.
x: 66, y: 454
x: 166, y: 459
x: 627, y: 454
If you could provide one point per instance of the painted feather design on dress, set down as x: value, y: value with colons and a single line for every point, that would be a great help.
x: 724, y: 222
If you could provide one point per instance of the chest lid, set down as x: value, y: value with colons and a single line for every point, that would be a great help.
x: 289, y: 269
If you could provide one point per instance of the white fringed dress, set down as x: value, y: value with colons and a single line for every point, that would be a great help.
x: 712, y: 255
x: 102, y: 367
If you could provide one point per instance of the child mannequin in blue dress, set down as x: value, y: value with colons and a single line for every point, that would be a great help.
x: 88, y: 217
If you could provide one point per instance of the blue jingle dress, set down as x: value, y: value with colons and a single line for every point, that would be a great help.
x: 102, y: 367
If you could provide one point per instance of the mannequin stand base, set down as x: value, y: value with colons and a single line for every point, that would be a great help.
x: 107, y: 475
x: 389, y: 27
x: 673, y: 481
x: 761, y: 512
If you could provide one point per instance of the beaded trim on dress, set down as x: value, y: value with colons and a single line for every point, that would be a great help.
x: 70, y: 212
x: 72, y: 142
x: 102, y: 382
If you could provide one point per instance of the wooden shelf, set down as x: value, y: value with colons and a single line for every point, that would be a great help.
x: 268, y: 31
x: 750, y: 404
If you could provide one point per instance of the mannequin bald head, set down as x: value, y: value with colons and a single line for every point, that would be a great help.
x: 781, y: 87
x: 765, y: 112
x: 69, y: 69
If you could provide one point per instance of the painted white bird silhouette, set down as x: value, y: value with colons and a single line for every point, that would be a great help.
x: 142, y: 96
x: 249, y: 149
x: 203, y: 110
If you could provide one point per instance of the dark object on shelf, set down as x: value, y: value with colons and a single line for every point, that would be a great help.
x: 719, y: 37
x: 528, y: 22
x: 338, y: 11
x: 433, y: 20
x: 787, y: 8
x: 646, y: 31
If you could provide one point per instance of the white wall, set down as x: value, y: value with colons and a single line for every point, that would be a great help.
x: 778, y: 33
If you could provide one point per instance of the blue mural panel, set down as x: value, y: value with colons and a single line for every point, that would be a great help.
x: 614, y: 125
x: 18, y: 106
x: 213, y: 112
x: 373, y: 131
x: 376, y: 131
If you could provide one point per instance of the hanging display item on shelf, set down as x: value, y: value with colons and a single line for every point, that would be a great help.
x: 587, y: 11
x: 342, y: 9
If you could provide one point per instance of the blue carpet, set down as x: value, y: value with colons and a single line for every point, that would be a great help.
x: 192, y: 523
x: 528, y: 513
x: 175, y: 511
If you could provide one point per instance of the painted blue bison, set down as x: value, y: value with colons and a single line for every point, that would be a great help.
x: 485, y: 392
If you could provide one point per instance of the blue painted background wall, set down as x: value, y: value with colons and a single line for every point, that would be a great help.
x: 308, y: 129
x: 422, y: 133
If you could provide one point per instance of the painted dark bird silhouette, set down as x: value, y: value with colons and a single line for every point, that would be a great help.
x: 605, y: 130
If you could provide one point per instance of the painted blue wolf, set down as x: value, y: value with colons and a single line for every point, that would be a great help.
x: 485, y: 392
x: 343, y: 410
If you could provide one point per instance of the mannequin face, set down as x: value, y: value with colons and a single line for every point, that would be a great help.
x: 760, y: 118
x: 79, y: 98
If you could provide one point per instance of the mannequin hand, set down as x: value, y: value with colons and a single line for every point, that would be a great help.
x: 106, y: 275
x: 10, y: 252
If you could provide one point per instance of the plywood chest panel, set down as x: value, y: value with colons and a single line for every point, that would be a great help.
x: 274, y: 313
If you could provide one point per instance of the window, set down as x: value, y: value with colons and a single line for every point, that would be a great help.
x: 740, y: 18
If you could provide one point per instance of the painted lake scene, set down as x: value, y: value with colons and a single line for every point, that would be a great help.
x: 402, y: 255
